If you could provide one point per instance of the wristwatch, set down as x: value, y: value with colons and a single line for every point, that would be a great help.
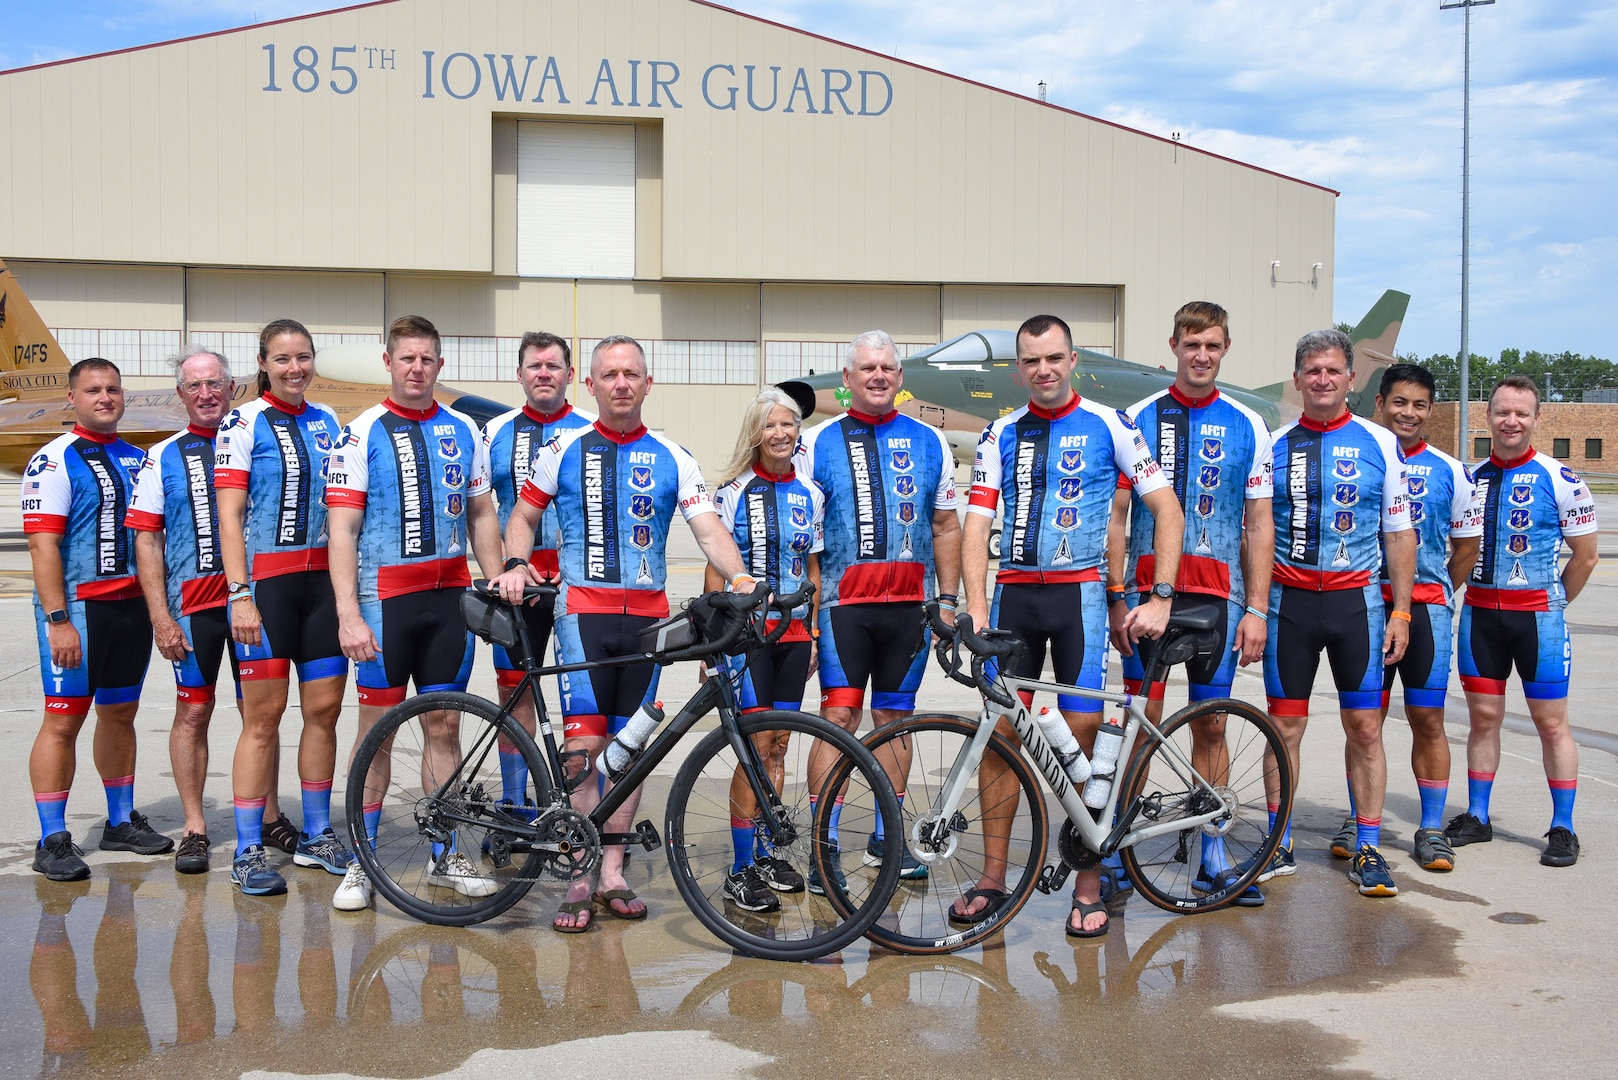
x: 58, y: 616
x: 513, y: 563
x: 1115, y: 596
x: 1163, y: 591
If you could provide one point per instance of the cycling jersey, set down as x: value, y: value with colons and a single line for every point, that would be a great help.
x: 277, y: 453
x: 1440, y: 507
x: 1057, y: 473
x: 77, y: 486
x: 882, y: 478
x: 174, y: 495
x: 513, y: 438
x: 777, y: 522
x: 1338, y: 488
x: 615, y: 496
x: 1215, y: 453
x: 1524, y: 509
x: 412, y: 472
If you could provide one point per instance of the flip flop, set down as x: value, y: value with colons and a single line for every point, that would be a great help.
x: 995, y: 898
x: 574, y: 908
x: 1085, y: 911
x: 607, y: 896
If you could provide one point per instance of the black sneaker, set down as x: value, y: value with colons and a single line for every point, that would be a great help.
x: 192, y: 855
x: 281, y: 834
x: 835, y: 861
x: 1464, y: 829
x: 60, y: 859
x: 747, y: 891
x: 1562, y: 850
x: 910, y: 867
x: 135, y: 835
x: 779, y: 874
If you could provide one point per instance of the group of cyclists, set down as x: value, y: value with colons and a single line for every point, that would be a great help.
x: 276, y: 537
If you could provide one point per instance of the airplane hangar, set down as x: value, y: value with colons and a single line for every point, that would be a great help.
x: 741, y: 196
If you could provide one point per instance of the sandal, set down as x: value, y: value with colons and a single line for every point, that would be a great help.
x: 282, y: 834
x: 605, y: 898
x: 995, y: 898
x: 574, y: 908
x: 1085, y: 911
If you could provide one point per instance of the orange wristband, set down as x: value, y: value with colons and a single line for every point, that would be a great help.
x: 1405, y: 615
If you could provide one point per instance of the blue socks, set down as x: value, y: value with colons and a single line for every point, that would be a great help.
x: 513, y: 775
x: 1367, y: 831
x: 120, y: 798
x: 1479, y: 787
x: 52, y: 809
x: 249, y: 824
x: 1562, y: 795
x: 742, y: 840
x: 372, y: 816
x: 1434, y: 793
x: 316, y: 807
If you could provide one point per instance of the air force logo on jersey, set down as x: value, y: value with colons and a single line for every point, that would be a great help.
x: 1213, y: 449
x: 1522, y: 494
x: 1345, y: 469
x: 1518, y: 544
x: 640, y: 506
x: 1418, y: 487
x: 1520, y: 519
x: 1418, y: 512
x: 641, y: 536
x: 455, y: 504
x: 1208, y: 477
x: 904, y: 486
x: 907, y: 513
x: 1346, y: 494
x: 800, y: 542
x: 640, y: 477
x: 454, y: 476
x: 1072, y: 461
x: 1343, y: 521
x: 1067, y: 517
x: 1205, y: 505
x: 447, y: 447
x: 800, y: 517
x: 901, y: 461
x: 40, y: 464
x: 1569, y: 475
x: 1070, y: 489
x: 323, y: 441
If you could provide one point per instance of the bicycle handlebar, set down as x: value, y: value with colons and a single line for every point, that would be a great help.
x: 993, y: 645
x: 529, y: 592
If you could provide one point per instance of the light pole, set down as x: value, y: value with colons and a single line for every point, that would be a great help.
x: 1464, y: 414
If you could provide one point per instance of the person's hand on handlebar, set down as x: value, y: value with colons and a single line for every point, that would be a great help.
x: 517, y: 577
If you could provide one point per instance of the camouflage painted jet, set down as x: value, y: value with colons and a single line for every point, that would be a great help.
x: 963, y: 384
x: 33, y: 386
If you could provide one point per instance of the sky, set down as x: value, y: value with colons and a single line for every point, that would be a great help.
x: 1362, y: 96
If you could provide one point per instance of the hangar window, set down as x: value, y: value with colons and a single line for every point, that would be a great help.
x: 576, y: 200
x: 721, y: 362
x: 136, y: 352
x: 1562, y: 448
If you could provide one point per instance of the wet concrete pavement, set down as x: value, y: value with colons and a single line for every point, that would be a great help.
x: 1499, y: 967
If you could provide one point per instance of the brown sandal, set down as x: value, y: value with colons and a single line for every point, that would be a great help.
x: 574, y: 908
x: 607, y: 896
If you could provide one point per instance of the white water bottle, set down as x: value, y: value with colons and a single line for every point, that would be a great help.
x: 1054, y: 726
x: 626, y: 745
x: 1109, y: 740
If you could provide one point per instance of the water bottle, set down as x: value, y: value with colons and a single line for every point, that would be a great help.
x: 1054, y: 726
x: 1109, y: 740
x: 626, y: 745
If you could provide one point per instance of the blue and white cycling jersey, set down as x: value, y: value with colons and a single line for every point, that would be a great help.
x: 777, y: 522
x: 174, y: 495
x: 882, y: 479
x: 1441, y: 506
x: 1215, y: 453
x: 513, y: 438
x: 615, y: 496
x: 1057, y: 473
x: 413, y: 473
x: 277, y: 454
x: 77, y: 486
x: 1338, y: 488
x: 1525, y: 507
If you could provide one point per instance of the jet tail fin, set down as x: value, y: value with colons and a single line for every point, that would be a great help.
x: 32, y: 364
x: 1374, y: 339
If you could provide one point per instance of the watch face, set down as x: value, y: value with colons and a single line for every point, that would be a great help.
x: 1163, y: 590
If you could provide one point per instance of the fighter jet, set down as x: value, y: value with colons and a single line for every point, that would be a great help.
x: 33, y: 386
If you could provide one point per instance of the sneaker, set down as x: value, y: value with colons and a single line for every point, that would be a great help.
x: 455, y: 871
x: 135, y: 835
x: 1221, y: 879
x: 355, y: 893
x: 1433, y: 850
x: 1563, y: 849
x: 779, y: 874
x: 1369, y: 870
x: 910, y: 867
x: 192, y: 855
x: 60, y: 859
x: 324, y: 851
x: 252, y: 873
x: 1464, y: 829
x: 1282, y: 865
x: 746, y: 889
x: 835, y: 859
x: 1342, y: 845
x: 282, y: 834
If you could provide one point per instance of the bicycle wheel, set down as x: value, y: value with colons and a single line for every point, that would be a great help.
x: 962, y: 852
x: 702, y: 848
x: 1236, y: 762
x: 398, y: 772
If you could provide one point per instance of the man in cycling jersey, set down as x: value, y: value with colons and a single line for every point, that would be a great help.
x: 616, y: 487
x: 408, y: 495
x: 1055, y: 463
x: 1514, y: 613
x: 1340, y: 485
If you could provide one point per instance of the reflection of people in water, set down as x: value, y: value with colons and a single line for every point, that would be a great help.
x: 52, y: 974
x: 194, y: 1010
x: 598, y: 976
x: 258, y: 961
x: 119, y: 1035
x: 317, y: 967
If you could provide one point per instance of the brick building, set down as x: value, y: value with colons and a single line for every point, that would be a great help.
x: 1582, y: 435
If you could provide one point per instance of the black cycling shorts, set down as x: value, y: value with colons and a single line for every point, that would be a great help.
x: 598, y: 703
x: 208, y: 631
x: 772, y: 677
x: 1346, y: 623
x: 299, y: 616
x: 422, y: 638
x: 884, y: 644
x: 1070, y: 619
x: 540, y: 617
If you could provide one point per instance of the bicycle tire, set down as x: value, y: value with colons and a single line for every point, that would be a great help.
x: 1164, y: 868
x: 917, y: 917
x: 698, y: 840
x: 399, y: 860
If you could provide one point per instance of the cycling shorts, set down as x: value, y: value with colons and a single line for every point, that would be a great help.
x: 421, y: 637
x: 1536, y: 642
x: 599, y: 703
x: 1424, y: 669
x: 1346, y: 623
x: 884, y: 644
x: 115, y: 645
x: 298, y: 612
x: 1212, y: 675
x: 1043, y: 616
x: 772, y: 677
x: 208, y: 631
x: 540, y: 616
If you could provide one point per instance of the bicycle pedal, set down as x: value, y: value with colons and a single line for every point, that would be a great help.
x: 497, y: 849
x: 1052, y: 878
x: 646, y: 835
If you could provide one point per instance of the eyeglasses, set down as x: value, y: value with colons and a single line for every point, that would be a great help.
x: 218, y: 386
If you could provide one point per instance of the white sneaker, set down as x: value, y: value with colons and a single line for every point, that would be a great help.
x: 459, y: 874
x: 355, y: 893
